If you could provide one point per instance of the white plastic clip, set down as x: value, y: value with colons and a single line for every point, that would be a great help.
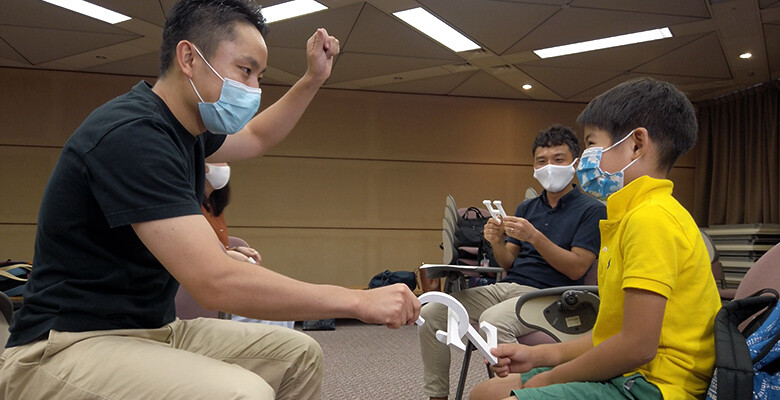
x: 458, y: 326
x: 497, y: 212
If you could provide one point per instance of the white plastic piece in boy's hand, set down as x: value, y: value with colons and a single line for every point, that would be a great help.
x: 458, y: 326
x: 498, y: 212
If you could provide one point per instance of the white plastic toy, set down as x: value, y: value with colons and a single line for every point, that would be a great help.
x: 497, y: 211
x: 458, y: 326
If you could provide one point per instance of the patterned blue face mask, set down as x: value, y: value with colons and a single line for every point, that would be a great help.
x: 237, y: 104
x: 593, y: 180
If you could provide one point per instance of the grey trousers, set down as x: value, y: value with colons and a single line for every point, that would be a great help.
x: 192, y: 359
x: 491, y: 303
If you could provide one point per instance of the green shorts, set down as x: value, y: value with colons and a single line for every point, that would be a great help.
x: 634, y: 387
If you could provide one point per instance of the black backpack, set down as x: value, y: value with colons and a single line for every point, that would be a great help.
x: 735, y: 369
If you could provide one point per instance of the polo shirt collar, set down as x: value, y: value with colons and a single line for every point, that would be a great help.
x: 635, y: 193
x: 573, y: 194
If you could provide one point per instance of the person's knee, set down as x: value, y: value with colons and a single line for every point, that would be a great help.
x: 433, y: 314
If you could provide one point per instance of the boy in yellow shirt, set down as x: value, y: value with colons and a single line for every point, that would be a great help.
x: 653, y: 337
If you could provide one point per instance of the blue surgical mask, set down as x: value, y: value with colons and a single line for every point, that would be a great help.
x: 237, y: 104
x: 593, y: 180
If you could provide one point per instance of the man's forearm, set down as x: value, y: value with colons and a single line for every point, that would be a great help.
x: 503, y: 256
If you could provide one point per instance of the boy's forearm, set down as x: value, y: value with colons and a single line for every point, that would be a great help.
x: 614, y: 357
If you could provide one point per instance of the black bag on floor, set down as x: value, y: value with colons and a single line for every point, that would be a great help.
x: 319, y: 325
x: 388, y: 278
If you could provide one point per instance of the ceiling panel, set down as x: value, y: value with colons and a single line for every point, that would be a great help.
x: 378, y: 33
x: 295, y: 32
x: 679, y: 81
x: 572, y: 25
x: 568, y: 82
x: 483, y: 84
x: 143, y: 65
x: 702, y: 57
x: 772, y: 38
x: 380, y: 52
x: 669, y: 7
x: 437, y: 85
x: 354, y: 66
x: 493, y: 24
x: 622, y: 58
x: 59, y: 43
x: 35, y: 13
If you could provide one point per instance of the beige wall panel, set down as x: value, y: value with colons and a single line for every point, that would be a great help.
x: 17, y: 242
x: 349, y: 124
x: 348, y: 257
x: 43, y: 108
x: 300, y: 192
x: 24, y: 172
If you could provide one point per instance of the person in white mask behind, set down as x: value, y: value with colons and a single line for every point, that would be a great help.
x: 551, y: 240
x: 215, y: 199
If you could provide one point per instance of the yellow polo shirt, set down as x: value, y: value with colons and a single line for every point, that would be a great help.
x: 650, y: 242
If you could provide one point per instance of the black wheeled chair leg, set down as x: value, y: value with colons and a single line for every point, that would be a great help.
x: 464, y: 370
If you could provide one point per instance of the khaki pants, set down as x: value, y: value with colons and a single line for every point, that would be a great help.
x: 193, y: 359
x: 491, y: 303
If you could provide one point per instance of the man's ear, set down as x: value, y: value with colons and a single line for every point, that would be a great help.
x: 640, y: 141
x: 185, y: 55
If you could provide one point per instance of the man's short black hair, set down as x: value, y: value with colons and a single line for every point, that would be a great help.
x: 206, y: 23
x: 657, y: 106
x: 557, y: 135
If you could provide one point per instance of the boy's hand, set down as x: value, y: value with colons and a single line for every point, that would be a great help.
x: 539, y: 380
x: 512, y: 358
x: 494, y: 232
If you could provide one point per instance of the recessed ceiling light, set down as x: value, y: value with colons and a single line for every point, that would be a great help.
x: 91, y: 10
x: 745, y: 56
x: 428, y: 24
x: 598, y: 44
x: 291, y: 9
x: 527, y: 86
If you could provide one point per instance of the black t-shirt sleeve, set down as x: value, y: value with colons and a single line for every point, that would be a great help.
x: 212, y: 142
x: 139, y: 173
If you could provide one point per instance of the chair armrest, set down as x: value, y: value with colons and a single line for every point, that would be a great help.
x: 564, y: 312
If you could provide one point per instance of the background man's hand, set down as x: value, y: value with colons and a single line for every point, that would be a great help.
x: 520, y: 229
x: 494, y: 232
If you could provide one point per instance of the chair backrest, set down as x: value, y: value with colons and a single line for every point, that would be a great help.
x: 711, y: 249
x: 765, y: 273
x: 188, y: 308
x: 234, y: 242
x: 6, y: 315
x: 530, y: 193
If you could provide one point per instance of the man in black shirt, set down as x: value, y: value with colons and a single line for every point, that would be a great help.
x: 120, y: 227
x: 552, y: 240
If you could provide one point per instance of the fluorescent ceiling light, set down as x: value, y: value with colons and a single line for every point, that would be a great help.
x: 745, y: 56
x: 90, y: 10
x: 291, y: 9
x: 598, y: 44
x: 528, y: 86
x: 428, y: 24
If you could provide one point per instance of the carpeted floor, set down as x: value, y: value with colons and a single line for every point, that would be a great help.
x: 372, y: 362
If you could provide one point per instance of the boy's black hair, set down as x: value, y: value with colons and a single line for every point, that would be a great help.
x: 218, y: 200
x: 206, y: 23
x: 657, y: 106
x: 556, y: 135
